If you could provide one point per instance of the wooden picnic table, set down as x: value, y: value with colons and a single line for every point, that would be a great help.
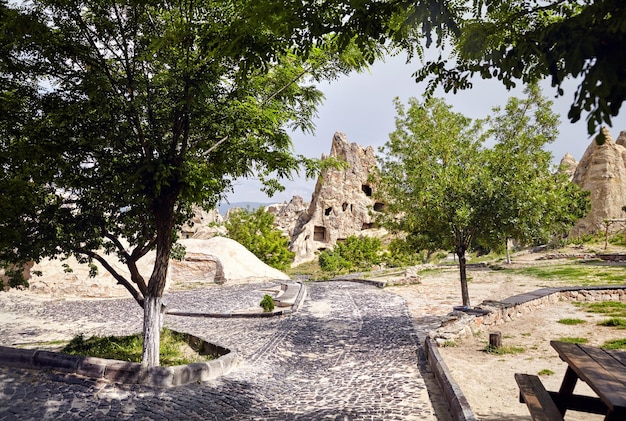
x: 603, y: 370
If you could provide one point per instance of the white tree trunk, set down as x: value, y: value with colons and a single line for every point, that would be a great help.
x: 152, y: 322
x: 508, y: 254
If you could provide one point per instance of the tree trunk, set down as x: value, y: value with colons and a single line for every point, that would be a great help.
x: 153, y: 302
x: 152, y: 322
x: 508, y: 255
x: 462, y: 269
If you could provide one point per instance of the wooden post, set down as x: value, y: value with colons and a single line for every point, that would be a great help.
x: 495, y: 340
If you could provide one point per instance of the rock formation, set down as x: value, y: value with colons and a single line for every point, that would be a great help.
x: 568, y: 165
x: 341, y: 203
x: 286, y: 215
x: 204, y: 224
x: 602, y: 171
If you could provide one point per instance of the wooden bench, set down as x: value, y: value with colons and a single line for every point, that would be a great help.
x: 537, y: 398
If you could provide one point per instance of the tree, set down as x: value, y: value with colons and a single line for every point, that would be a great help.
x: 432, y: 180
x: 447, y: 191
x: 124, y: 114
x: 520, y: 40
x: 255, y: 230
x: 525, y: 193
x: 118, y: 116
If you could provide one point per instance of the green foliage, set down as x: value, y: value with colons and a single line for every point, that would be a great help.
x: 529, y: 40
x: 353, y: 254
x: 453, y: 193
x: 267, y: 303
x: 619, y: 322
x: 574, y: 340
x: 178, y: 252
x: 129, y: 348
x: 571, y: 321
x: 577, y: 273
x: 609, y: 308
x: 504, y: 350
x: 546, y: 372
x: 615, y: 344
x: 14, y: 276
x: 400, y: 253
x: 255, y: 230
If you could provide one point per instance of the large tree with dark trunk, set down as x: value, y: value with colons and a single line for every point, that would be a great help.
x: 119, y: 115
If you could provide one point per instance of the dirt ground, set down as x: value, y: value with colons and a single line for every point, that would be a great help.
x: 487, y: 379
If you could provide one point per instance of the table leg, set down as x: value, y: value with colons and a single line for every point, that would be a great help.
x: 567, y: 389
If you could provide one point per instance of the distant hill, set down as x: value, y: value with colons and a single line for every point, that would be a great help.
x: 223, y: 208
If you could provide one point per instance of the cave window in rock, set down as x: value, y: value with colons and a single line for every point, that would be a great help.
x: 379, y: 207
x: 367, y: 226
x: 319, y: 233
x: 345, y: 206
x: 366, y: 189
x: 328, y: 211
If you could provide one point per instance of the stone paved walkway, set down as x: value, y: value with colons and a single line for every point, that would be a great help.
x: 350, y: 353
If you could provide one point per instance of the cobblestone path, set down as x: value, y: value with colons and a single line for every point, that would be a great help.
x: 350, y: 353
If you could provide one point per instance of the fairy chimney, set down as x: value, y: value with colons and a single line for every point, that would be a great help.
x: 341, y: 203
x: 602, y: 171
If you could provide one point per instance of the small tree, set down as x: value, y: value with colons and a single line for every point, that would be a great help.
x: 447, y: 191
x: 255, y: 230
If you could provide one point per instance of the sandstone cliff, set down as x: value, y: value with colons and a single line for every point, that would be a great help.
x: 602, y: 171
x: 341, y: 203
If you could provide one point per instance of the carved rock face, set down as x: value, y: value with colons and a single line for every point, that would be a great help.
x: 341, y: 202
x: 602, y: 171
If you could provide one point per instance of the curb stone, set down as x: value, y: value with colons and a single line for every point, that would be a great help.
x: 135, y: 373
x: 117, y: 371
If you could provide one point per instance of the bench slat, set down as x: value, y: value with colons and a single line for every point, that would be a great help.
x: 537, y: 398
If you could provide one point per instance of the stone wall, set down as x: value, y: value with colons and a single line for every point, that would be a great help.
x: 458, y: 324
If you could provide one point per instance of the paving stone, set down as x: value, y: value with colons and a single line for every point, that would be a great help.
x: 349, y: 353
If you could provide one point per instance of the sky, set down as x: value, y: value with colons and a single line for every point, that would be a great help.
x: 361, y: 106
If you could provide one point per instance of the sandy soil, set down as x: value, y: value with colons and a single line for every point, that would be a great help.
x: 487, y: 379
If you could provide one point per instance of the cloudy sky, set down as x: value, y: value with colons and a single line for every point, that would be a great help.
x: 361, y: 106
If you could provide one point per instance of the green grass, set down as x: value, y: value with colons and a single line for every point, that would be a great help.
x: 615, y: 344
x: 571, y: 321
x: 504, y: 350
x: 578, y: 273
x: 174, y: 348
x: 618, y: 322
x: 608, y: 308
x: 546, y: 372
x: 574, y: 340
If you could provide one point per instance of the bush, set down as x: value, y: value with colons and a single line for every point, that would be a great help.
x: 255, y: 231
x: 267, y: 303
x: 353, y: 254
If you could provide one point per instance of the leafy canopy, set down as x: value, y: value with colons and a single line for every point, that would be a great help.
x: 256, y: 231
x: 447, y: 191
x: 521, y: 40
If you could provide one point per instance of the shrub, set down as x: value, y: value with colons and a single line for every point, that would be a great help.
x: 267, y: 303
x: 255, y: 231
x: 353, y: 254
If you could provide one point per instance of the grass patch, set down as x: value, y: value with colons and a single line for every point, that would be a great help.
x: 579, y: 273
x: 618, y: 322
x: 546, y: 372
x: 504, y: 350
x: 615, y: 344
x: 571, y: 321
x: 609, y: 308
x: 174, y: 348
x: 574, y: 340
